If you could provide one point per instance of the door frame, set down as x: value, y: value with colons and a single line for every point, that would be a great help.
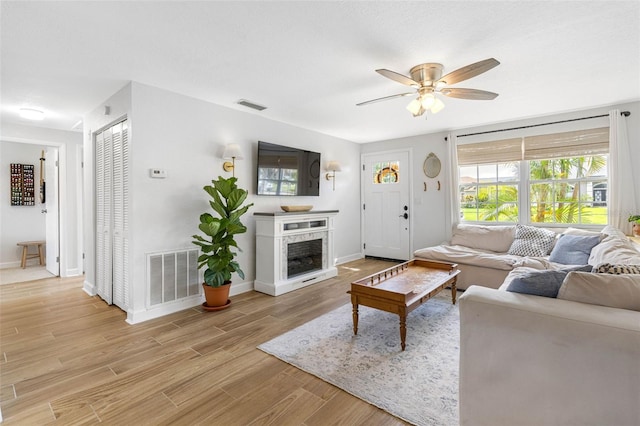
x: 409, y: 152
x: 52, y: 217
x: 62, y: 190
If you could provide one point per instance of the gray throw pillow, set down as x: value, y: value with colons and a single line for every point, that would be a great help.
x: 573, y: 249
x: 532, y: 241
x: 543, y: 283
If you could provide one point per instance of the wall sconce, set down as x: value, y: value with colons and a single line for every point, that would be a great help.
x: 231, y: 152
x: 333, y: 167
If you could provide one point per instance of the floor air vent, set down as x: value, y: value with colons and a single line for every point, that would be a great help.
x: 172, y: 276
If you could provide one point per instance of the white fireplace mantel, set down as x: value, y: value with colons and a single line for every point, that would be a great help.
x: 274, y: 232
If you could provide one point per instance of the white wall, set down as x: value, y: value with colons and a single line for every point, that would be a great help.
x: 19, y: 223
x: 431, y: 223
x: 428, y: 207
x: 70, y: 147
x: 119, y: 106
x: 185, y: 137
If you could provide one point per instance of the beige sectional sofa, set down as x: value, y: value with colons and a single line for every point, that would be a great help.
x: 569, y: 360
x: 482, y: 253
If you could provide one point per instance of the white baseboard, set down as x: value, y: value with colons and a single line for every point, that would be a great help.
x: 350, y: 258
x: 89, y: 288
x: 135, y: 317
x: 239, y: 288
x: 72, y: 272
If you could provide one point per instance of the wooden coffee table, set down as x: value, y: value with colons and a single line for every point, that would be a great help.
x: 402, y: 288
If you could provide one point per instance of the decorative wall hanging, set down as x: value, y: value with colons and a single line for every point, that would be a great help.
x: 431, y: 165
x: 43, y: 191
x: 22, y: 189
x: 431, y: 168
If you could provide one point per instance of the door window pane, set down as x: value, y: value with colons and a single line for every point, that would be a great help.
x: 387, y: 172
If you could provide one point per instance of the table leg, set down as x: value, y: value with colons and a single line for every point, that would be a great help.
x: 403, y: 328
x: 23, y: 263
x: 453, y: 291
x: 355, y: 316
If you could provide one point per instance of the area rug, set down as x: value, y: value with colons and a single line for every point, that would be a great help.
x: 419, y: 385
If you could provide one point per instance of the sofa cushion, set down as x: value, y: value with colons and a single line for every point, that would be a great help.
x: 494, y: 238
x: 608, y: 268
x: 573, y: 249
x: 532, y: 241
x: 614, y: 249
x: 615, y: 291
x: 468, y: 256
x: 542, y: 283
x: 578, y: 231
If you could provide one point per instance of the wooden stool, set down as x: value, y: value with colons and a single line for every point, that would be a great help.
x: 25, y: 252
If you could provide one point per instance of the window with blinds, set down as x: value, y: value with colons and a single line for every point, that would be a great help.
x: 552, y: 178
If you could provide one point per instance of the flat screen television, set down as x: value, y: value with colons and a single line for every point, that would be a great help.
x: 285, y: 171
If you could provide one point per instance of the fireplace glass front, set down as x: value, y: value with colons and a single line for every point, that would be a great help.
x: 303, y: 257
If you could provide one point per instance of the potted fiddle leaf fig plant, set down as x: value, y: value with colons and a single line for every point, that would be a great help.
x: 635, y: 220
x: 217, y: 244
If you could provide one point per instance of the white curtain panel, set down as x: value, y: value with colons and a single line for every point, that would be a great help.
x: 621, y: 195
x: 454, y: 200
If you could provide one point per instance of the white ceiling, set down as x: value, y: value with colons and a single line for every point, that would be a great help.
x: 310, y: 62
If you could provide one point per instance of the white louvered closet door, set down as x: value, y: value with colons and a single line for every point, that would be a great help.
x: 112, y: 239
x: 104, y: 151
x: 120, y: 215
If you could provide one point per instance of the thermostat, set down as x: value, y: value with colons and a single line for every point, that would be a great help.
x: 158, y: 173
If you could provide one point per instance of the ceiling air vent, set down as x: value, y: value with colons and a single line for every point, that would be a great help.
x: 249, y: 104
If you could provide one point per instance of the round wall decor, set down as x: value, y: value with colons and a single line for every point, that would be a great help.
x: 432, y: 165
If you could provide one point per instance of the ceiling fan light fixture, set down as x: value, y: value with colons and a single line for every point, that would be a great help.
x: 420, y: 112
x: 415, y: 106
x: 437, y: 106
x: 427, y: 100
x: 440, y: 84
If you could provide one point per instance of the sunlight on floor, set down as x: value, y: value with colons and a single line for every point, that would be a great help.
x: 18, y: 275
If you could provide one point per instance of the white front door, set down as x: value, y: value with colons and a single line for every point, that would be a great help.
x: 386, y: 207
x: 51, y: 209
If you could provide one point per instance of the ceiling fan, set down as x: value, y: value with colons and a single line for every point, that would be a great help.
x: 428, y: 81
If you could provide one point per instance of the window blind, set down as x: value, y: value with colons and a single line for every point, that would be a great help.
x: 554, y: 145
x: 567, y: 144
x: 501, y: 151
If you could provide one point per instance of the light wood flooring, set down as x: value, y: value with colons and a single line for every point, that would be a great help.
x: 67, y: 358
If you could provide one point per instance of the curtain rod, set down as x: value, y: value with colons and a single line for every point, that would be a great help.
x: 624, y: 113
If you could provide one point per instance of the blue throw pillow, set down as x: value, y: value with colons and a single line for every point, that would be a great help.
x: 573, y: 249
x: 543, y: 283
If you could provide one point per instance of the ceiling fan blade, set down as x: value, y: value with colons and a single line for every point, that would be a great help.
x: 469, y: 71
x: 402, y: 79
x: 399, y: 95
x: 474, y: 94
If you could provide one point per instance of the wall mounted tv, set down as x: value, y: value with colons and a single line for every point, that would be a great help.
x: 283, y: 170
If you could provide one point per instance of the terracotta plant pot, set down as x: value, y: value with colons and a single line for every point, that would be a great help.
x: 636, y: 229
x: 216, y: 297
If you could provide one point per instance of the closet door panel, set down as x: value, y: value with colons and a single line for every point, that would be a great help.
x: 104, y: 166
x: 120, y: 201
